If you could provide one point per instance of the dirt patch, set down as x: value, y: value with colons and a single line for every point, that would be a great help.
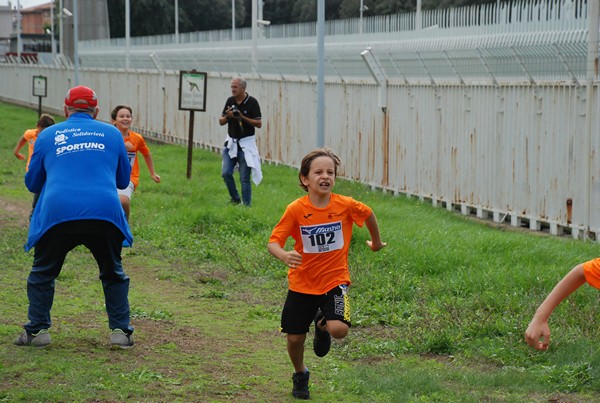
x: 14, y: 214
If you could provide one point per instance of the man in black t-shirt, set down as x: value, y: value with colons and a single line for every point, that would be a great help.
x: 242, y: 116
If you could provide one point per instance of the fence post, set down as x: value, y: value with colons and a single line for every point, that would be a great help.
x: 591, y: 75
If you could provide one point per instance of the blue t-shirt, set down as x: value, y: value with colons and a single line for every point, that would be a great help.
x: 76, y: 167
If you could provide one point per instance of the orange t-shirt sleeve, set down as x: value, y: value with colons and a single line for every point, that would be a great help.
x: 591, y: 270
x: 283, y: 229
x: 30, y: 136
x: 138, y: 145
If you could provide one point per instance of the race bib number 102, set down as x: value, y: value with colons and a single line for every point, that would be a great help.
x: 322, y: 238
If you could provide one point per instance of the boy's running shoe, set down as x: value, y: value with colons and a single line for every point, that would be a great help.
x: 120, y: 339
x: 300, y: 390
x: 322, y: 340
x: 39, y: 339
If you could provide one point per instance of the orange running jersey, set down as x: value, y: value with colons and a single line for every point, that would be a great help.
x: 138, y: 144
x: 30, y: 136
x: 591, y: 269
x: 322, y: 236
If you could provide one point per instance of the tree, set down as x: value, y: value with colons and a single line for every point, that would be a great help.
x: 148, y: 17
x: 206, y: 15
x: 156, y: 17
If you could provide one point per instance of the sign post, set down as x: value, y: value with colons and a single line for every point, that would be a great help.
x: 192, y: 97
x: 40, y: 90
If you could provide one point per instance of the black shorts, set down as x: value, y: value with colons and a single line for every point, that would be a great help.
x: 300, y: 309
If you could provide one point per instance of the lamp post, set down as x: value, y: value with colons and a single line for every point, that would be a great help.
x: 76, y: 41
x: 363, y: 8
x: 63, y: 13
x: 60, y: 27
x: 176, y: 21
x: 233, y: 20
x: 320, y: 73
x: 254, y: 35
x: 19, y: 44
x: 52, y: 41
x: 127, y: 32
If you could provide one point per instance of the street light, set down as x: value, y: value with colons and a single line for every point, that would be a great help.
x: 63, y: 13
x: 76, y: 41
x: 378, y: 74
x: 52, y: 41
x: 363, y: 8
x: 19, y: 44
x: 176, y: 21
x: 233, y: 20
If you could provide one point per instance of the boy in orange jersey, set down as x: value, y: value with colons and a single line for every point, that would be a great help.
x: 29, y: 138
x: 134, y: 142
x: 537, y: 334
x: 318, y: 277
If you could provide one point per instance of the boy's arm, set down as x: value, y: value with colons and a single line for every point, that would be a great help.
x: 18, y: 147
x: 291, y: 258
x: 537, y: 334
x: 150, y: 163
x: 375, y: 243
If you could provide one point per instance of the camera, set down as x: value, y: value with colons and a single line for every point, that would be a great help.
x: 235, y: 111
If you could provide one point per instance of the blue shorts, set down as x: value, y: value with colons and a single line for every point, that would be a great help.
x: 300, y: 309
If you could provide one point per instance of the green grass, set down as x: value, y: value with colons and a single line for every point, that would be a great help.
x: 438, y: 315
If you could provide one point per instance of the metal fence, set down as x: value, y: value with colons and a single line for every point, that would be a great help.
x: 499, y: 123
x: 473, y: 43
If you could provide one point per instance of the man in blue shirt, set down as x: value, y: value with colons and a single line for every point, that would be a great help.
x: 76, y: 166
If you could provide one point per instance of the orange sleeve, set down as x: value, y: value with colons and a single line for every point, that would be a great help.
x: 591, y: 270
x: 139, y: 145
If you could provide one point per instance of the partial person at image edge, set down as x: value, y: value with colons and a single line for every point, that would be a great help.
x: 537, y: 334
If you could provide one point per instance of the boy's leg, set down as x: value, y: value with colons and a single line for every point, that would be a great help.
x: 295, y: 348
x: 125, y: 198
x: 298, y: 312
x: 336, y: 328
x: 334, y: 320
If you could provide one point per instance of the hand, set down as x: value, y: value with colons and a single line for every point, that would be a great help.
x: 128, y: 145
x: 20, y: 156
x: 155, y: 177
x: 376, y: 246
x: 292, y: 259
x: 537, y: 334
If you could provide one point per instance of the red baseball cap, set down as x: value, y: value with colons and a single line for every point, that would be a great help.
x: 81, y: 97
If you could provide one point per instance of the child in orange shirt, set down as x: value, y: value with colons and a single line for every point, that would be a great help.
x: 321, y: 225
x: 537, y: 334
x: 29, y: 138
x: 122, y: 117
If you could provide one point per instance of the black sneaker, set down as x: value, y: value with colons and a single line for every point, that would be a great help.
x: 322, y: 340
x: 39, y: 339
x: 300, y: 390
